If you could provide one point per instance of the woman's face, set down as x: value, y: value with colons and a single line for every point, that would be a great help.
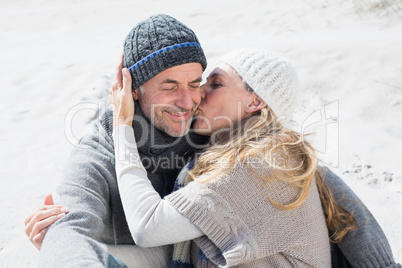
x: 224, y: 101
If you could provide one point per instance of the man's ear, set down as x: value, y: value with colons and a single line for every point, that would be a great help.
x: 255, y: 104
x: 135, y: 93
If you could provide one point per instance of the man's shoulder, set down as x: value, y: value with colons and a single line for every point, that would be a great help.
x: 328, y: 175
x: 101, y: 131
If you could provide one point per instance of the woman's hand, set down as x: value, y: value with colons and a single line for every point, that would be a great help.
x: 37, y: 224
x: 121, y: 96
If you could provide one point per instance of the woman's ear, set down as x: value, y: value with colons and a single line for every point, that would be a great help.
x: 255, y: 104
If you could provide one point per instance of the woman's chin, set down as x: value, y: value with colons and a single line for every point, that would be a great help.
x: 201, y: 129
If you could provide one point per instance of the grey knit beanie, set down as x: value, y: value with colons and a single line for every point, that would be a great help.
x: 158, y: 43
x: 273, y: 78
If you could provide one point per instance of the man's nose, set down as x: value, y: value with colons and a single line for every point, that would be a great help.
x: 203, y: 92
x: 187, y: 98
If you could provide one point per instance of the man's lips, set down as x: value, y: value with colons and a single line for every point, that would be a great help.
x: 178, y: 116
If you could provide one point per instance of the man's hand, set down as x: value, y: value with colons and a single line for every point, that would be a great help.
x: 37, y: 224
x: 121, y: 96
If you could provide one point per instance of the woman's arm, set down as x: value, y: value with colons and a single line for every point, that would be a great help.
x: 152, y: 220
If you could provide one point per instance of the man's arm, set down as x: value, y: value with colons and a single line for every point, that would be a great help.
x: 367, y: 245
x: 75, y: 240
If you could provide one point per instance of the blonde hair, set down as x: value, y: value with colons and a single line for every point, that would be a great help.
x: 261, y: 135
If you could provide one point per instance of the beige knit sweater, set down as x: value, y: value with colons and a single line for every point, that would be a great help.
x: 244, y: 229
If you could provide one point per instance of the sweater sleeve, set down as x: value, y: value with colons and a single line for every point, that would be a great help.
x: 152, y: 221
x: 367, y: 245
x: 74, y: 240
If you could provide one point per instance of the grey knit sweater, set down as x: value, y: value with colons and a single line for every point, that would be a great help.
x: 244, y: 229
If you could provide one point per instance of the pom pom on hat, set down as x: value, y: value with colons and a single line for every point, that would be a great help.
x: 272, y: 78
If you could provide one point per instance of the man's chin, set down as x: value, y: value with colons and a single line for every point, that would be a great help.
x: 176, y: 132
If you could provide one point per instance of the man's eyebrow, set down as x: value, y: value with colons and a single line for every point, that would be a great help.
x: 198, y: 80
x: 170, y: 81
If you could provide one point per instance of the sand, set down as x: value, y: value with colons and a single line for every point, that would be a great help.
x: 57, y: 60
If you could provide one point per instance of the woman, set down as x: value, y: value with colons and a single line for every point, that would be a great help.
x: 252, y: 199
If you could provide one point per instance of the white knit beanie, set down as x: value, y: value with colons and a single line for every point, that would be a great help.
x: 273, y: 79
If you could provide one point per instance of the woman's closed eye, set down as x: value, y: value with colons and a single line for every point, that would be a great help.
x: 215, y: 84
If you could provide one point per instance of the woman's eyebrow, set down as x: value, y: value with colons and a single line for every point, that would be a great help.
x: 213, y: 75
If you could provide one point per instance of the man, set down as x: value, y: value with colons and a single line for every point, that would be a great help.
x: 166, y: 63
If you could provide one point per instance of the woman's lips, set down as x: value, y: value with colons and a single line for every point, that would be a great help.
x: 197, y: 112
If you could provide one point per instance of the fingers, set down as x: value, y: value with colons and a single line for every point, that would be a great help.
x: 48, y: 200
x: 121, y: 60
x: 43, y: 224
x: 40, y: 215
x: 38, y: 239
x: 40, y: 228
x: 38, y: 222
x: 117, y: 78
x: 122, y: 102
x: 44, y: 207
x: 126, y: 81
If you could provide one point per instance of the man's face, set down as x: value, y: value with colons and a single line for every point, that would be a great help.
x: 170, y: 99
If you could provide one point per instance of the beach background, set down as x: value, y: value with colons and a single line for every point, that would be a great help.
x: 57, y: 62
